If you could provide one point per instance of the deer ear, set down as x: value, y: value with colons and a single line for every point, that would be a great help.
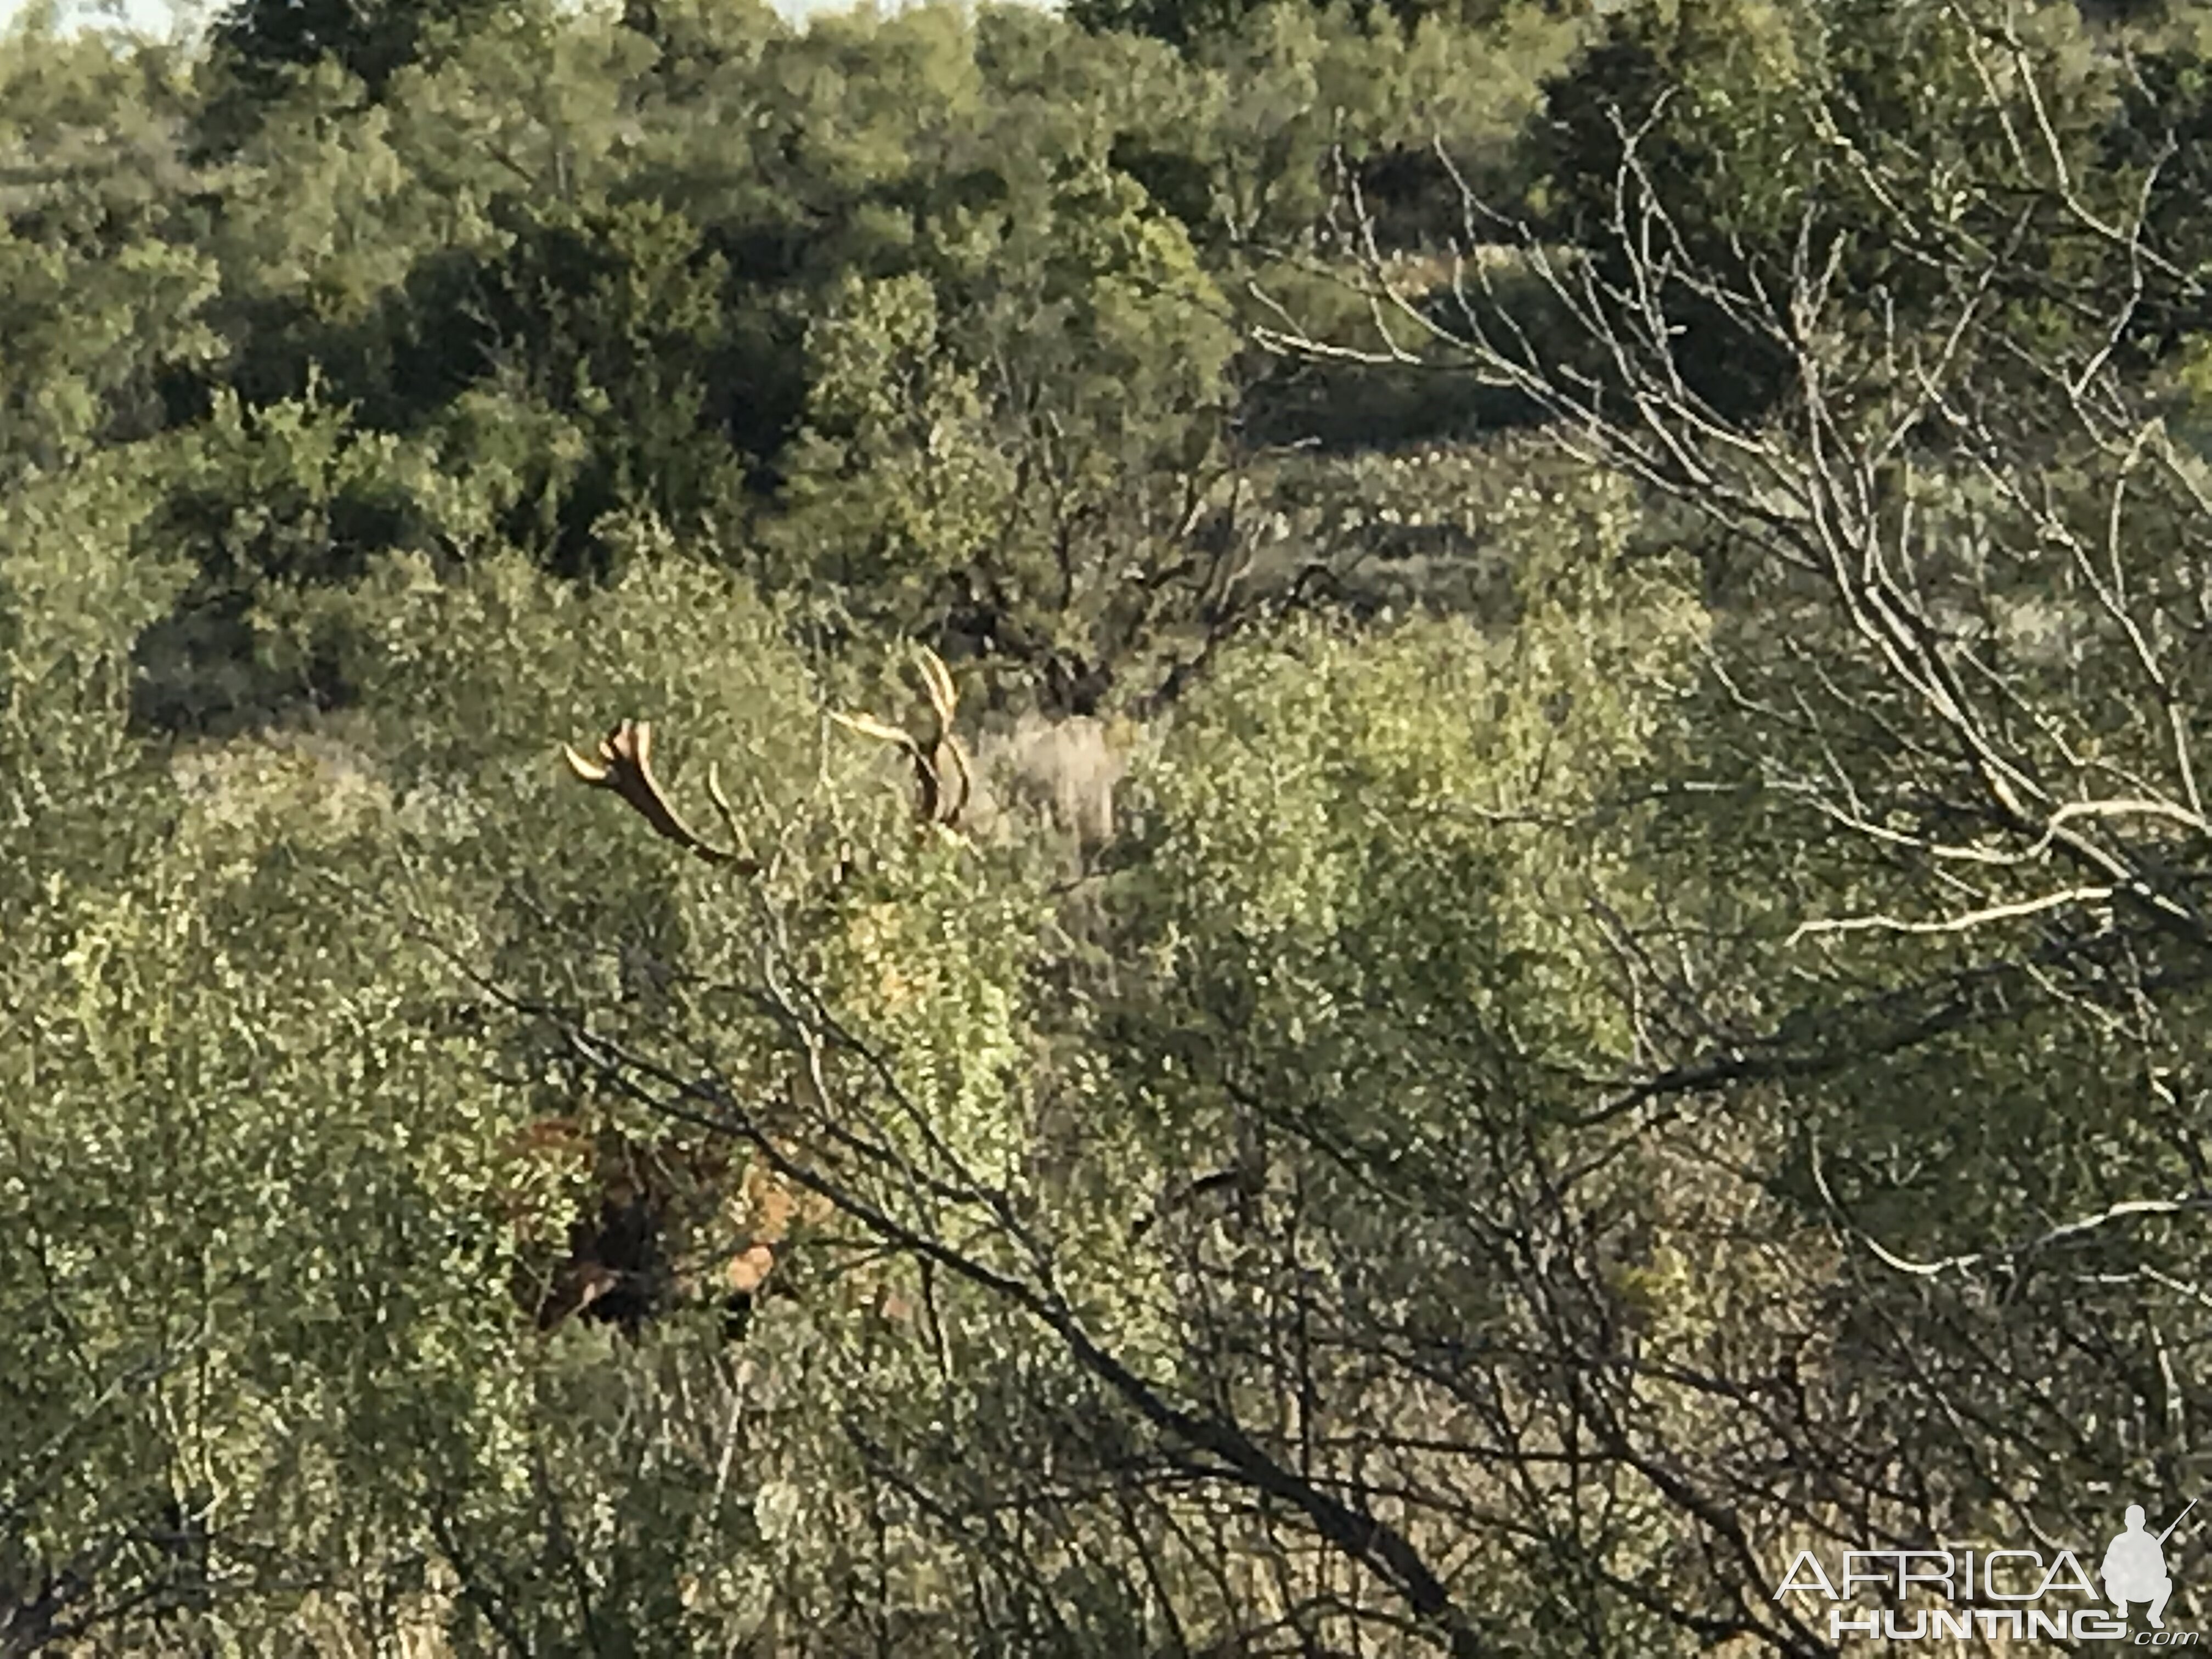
x: 589, y: 771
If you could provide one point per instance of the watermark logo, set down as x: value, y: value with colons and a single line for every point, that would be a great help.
x: 2135, y: 1567
x: 1962, y: 1593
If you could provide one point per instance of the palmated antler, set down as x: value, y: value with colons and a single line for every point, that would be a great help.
x: 625, y: 766
x: 940, y: 764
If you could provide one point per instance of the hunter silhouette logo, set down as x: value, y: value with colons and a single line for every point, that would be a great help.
x: 1963, y: 1592
x: 2135, y: 1567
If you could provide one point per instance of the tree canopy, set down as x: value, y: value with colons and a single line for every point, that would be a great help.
x: 1397, y: 844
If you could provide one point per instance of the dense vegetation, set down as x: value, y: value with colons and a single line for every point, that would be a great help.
x: 1578, y: 955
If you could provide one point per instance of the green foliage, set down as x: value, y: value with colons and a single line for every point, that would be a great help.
x: 197, y: 1064
x: 292, y: 495
x: 257, y: 42
x: 99, y: 305
x: 612, y: 324
x: 1880, y: 136
x: 1503, y: 1118
x: 896, y: 474
x: 1186, y: 25
x: 1432, y: 796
